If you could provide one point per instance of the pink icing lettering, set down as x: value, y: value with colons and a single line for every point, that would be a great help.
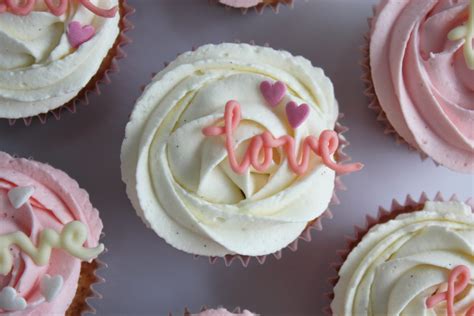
x: 60, y: 8
x: 262, y: 146
x: 458, y: 280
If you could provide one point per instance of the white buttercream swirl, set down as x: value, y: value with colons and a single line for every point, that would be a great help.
x: 399, y: 264
x: 180, y: 181
x: 39, y: 70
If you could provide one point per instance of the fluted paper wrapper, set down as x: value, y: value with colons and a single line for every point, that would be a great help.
x: 259, y: 8
x: 384, y: 215
x: 87, y: 294
x: 108, y: 67
x: 374, y: 103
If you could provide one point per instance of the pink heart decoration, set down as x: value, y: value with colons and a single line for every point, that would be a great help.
x: 296, y: 114
x: 78, y: 34
x: 273, y: 93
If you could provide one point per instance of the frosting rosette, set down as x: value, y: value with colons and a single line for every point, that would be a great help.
x: 39, y: 265
x: 400, y: 266
x: 47, y: 57
x: 422, y: 68
x: 184, y: 182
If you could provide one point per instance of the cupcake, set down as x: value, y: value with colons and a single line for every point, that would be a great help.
x: 220, y: 312
x: 258, y: 5
x: 420, y: 73
x: 417, y: 259
x: 49, y: 241
x: 53, y: 52
x: 230, y: 150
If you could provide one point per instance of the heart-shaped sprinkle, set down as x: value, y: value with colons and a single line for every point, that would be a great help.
x: 51, y: 286
x: 10, y: 300
x: 78, y: 34
x: 20, y: 195
x: 296, y: 114
x: 273, y: 93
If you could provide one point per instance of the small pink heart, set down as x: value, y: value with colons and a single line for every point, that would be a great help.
x: 78, y: 34
x: 296, y: 114
x: 273, y: 93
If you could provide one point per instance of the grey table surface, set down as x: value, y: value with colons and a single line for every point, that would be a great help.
x: 148, y: 277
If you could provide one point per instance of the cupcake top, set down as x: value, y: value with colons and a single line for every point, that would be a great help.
x: 211, y: 153
x: 422, y: 63
x: 245, y: 4
x: 49, y: 51
x: 402, y: 267
x: 47, y: 227
x: 223, y: 312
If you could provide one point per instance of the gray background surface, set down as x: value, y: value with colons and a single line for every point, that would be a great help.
x: 145, y: 275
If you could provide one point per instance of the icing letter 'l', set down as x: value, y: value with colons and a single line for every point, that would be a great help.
x: 71, y: 239
x: 324, y: 147
x: 457, y: 282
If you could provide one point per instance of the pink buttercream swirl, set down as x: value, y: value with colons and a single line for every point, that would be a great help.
x: 259, y: 154
x: 422, y: 80
x: 56, y: 201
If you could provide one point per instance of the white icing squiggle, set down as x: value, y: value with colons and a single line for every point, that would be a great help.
x: 39, y: 70
x: 180, y: 181
x: 398, y: 265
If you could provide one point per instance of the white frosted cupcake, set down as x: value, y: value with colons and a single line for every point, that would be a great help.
x: 417, y: 259
x: 183, y: 154
x: 54, y: 52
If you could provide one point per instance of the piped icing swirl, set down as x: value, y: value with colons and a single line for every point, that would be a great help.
x: 180, y: 181
x: 41, y: 64
x: 44, y: 283
x: 399, y: 265
x: 224, y: 312
x: 422, y: 78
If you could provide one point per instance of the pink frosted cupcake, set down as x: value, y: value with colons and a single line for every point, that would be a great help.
x: 421, y: 76
x: 258, y: 5
x: 49, y: 241
x: 52, y: 53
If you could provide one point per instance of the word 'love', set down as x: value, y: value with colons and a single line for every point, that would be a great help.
x: 325, y: 147
x: 71, y: 239
x: 14, y: 7
x: 457, y: 282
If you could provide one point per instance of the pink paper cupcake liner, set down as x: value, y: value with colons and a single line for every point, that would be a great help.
x: 384, y: 215
x: 374, y: 103
x: 188, y: 312
x: 108, y: 67
x: 275, y: 7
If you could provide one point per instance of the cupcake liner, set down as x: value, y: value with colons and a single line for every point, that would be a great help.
x: 108, y: 67
x: 374, y: 103
x: 384, y: 215
x: 188, y: 312
x: 93, y: 294
x: 258, y: 8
